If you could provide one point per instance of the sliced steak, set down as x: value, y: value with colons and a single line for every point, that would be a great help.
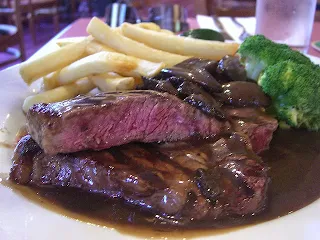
x: 112, y: 119
x: 178, y: 182
x: 254, y: 123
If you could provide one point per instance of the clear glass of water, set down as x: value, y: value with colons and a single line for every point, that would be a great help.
x: 286, y: 21
x: 169, y: 16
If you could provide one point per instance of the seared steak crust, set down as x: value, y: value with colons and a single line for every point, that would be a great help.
x: 178, y: 182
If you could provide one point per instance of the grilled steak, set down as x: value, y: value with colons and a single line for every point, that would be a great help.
x: 183, y: 149
x: 178, y: 182
x: 255, y: 124
x: 106, y: 120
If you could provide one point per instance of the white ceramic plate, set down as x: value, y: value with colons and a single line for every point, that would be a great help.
x: 22, y: 219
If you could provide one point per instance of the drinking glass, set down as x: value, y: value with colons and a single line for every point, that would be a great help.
x: 169, y: 16
x: 120, y: 12
x: 286, y: 21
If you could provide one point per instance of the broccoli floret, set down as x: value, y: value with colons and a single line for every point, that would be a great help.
x: 258, y: 52
x: 288, y: 77
x: 295, y: 92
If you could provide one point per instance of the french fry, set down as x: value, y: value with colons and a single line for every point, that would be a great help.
x: 108, y: 75
x: 149, y: 25
x: 93, y: 46
x: 61, y: 42
x: 103, y: 62
x: 154, y: 27
x: 50, y: 81
x: 111, y: 83
x: 104, y: 34
x: 81, y: 86
x: 180, y: 45
x: 34, y: 69
x: 166, y: 31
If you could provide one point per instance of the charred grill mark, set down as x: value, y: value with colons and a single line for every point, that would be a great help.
x: 155, y: 178
x: 150, y: 164
x: 164, y: 158
x: 208, y: 183
x: 137, y: 156
x: 117, y: 154
x: 234, y: 172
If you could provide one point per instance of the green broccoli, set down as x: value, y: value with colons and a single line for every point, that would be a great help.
x: 295, y: 92
x: 258, y: 52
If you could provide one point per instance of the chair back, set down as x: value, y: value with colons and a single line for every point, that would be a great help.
x: 12, y: 11
x: 232, y: 8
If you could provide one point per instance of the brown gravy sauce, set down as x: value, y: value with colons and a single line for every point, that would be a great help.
x: 294, y: 161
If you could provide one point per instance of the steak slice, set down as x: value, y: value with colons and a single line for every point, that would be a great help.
x: 112, y: 119
x: 253, y: 122
x: 178, y: 182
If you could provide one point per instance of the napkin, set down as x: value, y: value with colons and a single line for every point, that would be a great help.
x: 229, y: 25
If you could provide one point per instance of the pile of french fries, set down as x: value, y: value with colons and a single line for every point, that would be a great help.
x: 112, y: 60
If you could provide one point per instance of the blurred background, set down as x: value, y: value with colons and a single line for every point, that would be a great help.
x: 26, y: 25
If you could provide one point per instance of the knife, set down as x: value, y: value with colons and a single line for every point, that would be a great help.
x: 221, y: 28
x: 244, y: 34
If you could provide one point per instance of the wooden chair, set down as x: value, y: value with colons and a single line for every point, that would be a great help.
x: 13, y: 34
x: 34, y: 9
x: 143, y: 5
x: 75, y: 3
x: 232, y: 8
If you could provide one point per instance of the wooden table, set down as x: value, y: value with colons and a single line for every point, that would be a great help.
x: 78, y: 28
